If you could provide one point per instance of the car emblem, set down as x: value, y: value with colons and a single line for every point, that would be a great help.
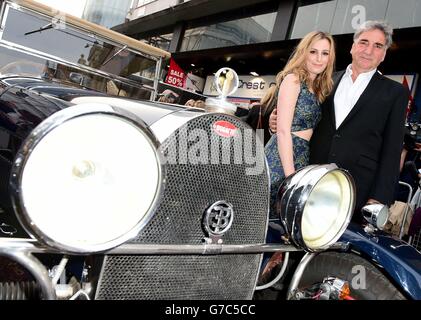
x: 218, y: 218
x: 224, y: 129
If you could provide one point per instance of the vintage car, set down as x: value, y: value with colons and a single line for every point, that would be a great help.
x: 105, y: 194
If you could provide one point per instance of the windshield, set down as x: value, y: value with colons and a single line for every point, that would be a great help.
x: 72, y: 45
x: 33, y: 45
x: 15, y: 63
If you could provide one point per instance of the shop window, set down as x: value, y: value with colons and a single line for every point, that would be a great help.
x: 404, y: 13
x: 344, y: 16
x: 162, y: 41
x: 231, y: 33
x: 317, y: 16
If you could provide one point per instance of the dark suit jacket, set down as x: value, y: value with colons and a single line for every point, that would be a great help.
x: 369, y: 141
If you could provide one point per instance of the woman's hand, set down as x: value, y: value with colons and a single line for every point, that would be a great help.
x: 272, y: 121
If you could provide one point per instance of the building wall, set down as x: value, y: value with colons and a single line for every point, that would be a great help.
x: 230, y: 33
x: 141, y: 8
x: 107, y: 13
x: 74, y: 7
x: 344, y: 16
x: 334, y: 16
x: 294, y: 18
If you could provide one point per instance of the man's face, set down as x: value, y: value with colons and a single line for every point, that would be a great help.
x: 368, y: 50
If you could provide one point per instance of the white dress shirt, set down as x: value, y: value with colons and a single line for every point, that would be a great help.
x: 348, y: 93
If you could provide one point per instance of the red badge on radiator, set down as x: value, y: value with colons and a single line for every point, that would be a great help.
x: 224, y: 128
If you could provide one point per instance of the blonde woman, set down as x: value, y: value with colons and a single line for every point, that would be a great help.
x: 304, y: 83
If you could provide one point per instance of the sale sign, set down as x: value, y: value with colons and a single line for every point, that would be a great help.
x: 411, y: 99
x: 176, y: 76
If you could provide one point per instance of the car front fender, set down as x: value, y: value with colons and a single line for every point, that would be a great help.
x: 399, y: 261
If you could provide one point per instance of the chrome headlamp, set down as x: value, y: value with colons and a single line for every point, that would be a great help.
x: 376, y: 214
x: 87, y: 178
x: 315, y: 205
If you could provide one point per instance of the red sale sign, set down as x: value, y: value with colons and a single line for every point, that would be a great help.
x: 411, y: 99
x: 176, y: 76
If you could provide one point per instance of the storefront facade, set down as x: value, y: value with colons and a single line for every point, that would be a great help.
x: 258, y: 36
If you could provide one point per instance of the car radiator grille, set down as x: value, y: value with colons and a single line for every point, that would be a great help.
x: 189, y: 190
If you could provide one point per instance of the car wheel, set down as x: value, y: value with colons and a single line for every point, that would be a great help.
x: 366, y: 282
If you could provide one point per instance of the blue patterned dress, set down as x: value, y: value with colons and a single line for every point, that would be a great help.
x: 306, y: 116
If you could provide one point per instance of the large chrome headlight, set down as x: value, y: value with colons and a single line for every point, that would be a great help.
x: 316, y: 204
x: 87, y: 178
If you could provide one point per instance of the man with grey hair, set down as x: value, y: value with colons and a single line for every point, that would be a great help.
x: 362, y: 125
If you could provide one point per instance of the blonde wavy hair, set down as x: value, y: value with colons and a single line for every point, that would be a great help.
x: 268, y: 101
x: 323, y: 83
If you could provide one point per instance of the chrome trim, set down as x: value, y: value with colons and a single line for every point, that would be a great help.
x: 114, y: 55
x: 39, y: 133
x: 341, y: 246
x: 158, y: 67
x: 44, y: 55
x: 217, y: 84
x: 87, y: 27
x: 204, y: 249
x: 293, y: 285
x: 3, y: 13
x: 21, y: 255
x: 290, y: 208
x: 32, y: 245
x: 207, y: 217
x: 20, y: 244
x: 260, y: 144
x: 96, y: 35
x: 268, y: 198
x: 375, y: 213
x: 278, y: 277
x: 168, y: 124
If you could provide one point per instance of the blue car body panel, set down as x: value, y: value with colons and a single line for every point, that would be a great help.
x: 398, y: 259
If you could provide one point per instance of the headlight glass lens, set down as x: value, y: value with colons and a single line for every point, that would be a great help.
x: 326, y: 210
x: 90, y: 181
x: 315, y: 205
